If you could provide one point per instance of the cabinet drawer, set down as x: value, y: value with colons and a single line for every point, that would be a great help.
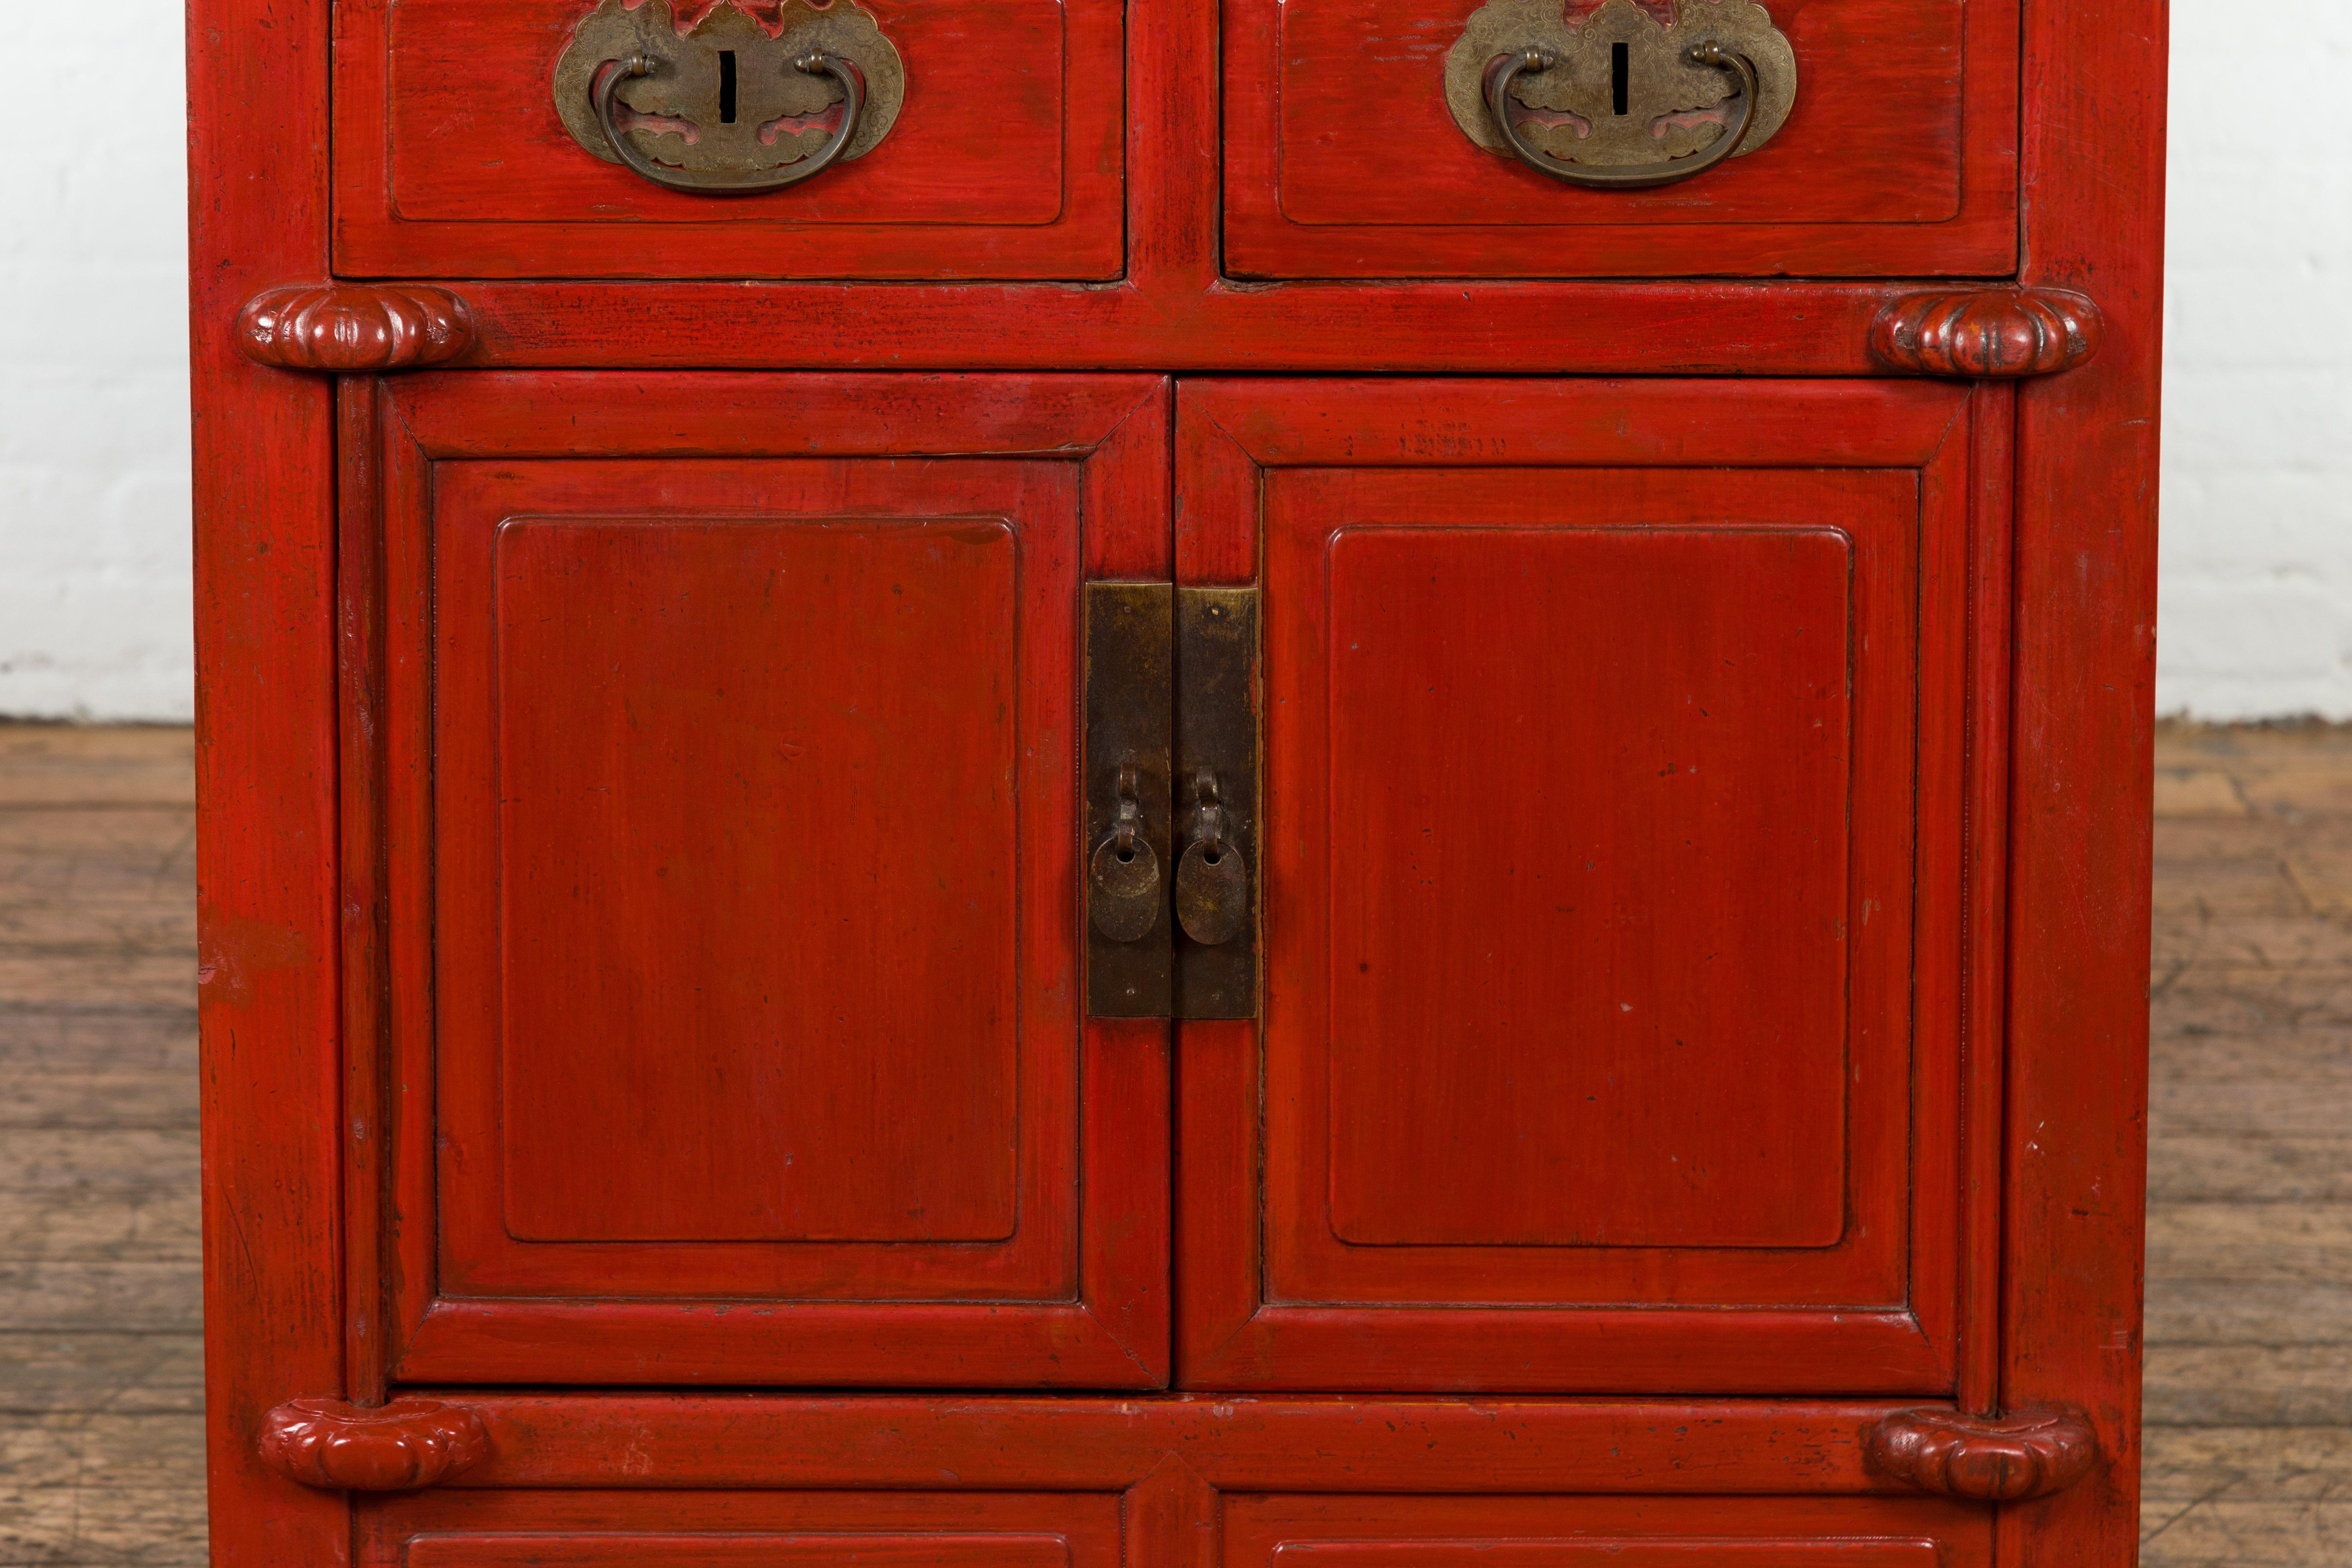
x: 999, y: 155
x: 690, y: 1529
x: 1898, y: 155
x: 1354, y: 1531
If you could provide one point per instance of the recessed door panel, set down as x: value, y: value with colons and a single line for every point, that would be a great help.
x: 1586, y: 818
x: 1613, y: 806
x: 1592, y: 787
x: 759, y: 846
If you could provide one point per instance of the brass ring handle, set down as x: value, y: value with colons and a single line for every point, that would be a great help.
x: 1506, y: 69
x: 853, y: 87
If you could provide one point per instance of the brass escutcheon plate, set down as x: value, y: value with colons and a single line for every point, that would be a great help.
x: 1674, y: 109
x: 779, y: 114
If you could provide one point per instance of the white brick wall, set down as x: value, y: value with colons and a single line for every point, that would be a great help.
x: 2257, y: 559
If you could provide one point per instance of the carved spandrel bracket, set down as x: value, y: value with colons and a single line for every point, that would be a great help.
x: 1987, y: 334
x: 354, y: 328
x: 1986, y: 1458
x: 399, y: 1446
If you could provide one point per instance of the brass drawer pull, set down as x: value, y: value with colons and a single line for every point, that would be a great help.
x: 1633, y: 177
x: 842, y: 71
x: 729, y: 107
x: 1621, y: 102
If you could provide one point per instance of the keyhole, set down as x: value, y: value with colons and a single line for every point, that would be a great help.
x: 727, y: 86
x: 1620, y: 67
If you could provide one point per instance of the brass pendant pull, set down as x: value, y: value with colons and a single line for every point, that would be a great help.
x: 853, y: 103
x: 1620, y: 101
x: 1213, y: 879
x: 1507, y: 71
x: 1124, y: 873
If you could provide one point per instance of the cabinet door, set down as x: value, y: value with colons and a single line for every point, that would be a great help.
x: 1616, y: 789
x: 730, y: 726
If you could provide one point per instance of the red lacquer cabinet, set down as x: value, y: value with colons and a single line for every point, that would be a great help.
x: 1076, y: 785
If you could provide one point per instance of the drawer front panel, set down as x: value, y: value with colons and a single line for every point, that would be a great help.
x: 1898, y: 158
x: 734, y: 1482
x: 1613, y: 792
x: 745, y: 763
x: 1003, y: 160
x: 691, y: 1529
x: 1308, y: 1532
x: 750, y: 1550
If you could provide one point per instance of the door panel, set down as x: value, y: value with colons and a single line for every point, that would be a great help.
x: 747, y: 762
x: 740, y: 742
x: 1614, y: 805
x: 1544, y: 755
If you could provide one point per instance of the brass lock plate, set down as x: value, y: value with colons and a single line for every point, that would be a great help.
x: 1217, y: 744
x: 1621, y: 90
x: 728, y: 102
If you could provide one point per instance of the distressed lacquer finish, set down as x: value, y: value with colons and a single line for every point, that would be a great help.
x: 759, y: 849
x: 1131, y: 183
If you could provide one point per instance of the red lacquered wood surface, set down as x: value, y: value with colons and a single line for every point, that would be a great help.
x: 759, y: 854
x: 267, y: 930
x: 1003, y: 161
x: 2082, y: 771
x: 1343, y: 161
x: 838, y: 1070
x: 1386, y: 1443
x: 1502, y: 683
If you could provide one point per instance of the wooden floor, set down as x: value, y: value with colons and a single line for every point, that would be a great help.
x: 2249, y: 1254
